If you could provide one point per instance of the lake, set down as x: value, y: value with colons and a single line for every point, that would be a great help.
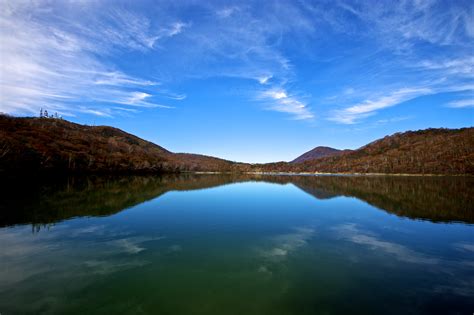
x: 237, y: 244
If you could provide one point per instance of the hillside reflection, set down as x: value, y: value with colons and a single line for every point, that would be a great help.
x: 40, y: 203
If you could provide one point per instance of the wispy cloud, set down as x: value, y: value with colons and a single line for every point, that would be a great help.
x: 467, y: 103
x: 457, y: 66
x: 138, y: 99
x: 55, y: 62
x: 400, y: 23
x: 282, y: 102
x: 100, y: 113
x: 391, y: 120
x: 61, y: 54
x: 226, y: 11
x: 264, y: 79
x: 354, y: 113
x: 420, y: 44
x: 248, y: 46
x: 116, y: 78
x: 275, y: 94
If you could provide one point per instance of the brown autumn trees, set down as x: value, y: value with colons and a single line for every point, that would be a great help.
x: 35, y: 144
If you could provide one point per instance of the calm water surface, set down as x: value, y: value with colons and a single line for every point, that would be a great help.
x: 217, y: 244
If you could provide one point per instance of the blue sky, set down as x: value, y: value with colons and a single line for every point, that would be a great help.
x: 247, y: 81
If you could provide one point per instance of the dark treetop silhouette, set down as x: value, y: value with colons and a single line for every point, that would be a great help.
x: 42, y: 203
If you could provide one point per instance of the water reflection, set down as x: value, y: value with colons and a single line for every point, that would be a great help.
x: 263, y: 245
x: 42, y: 202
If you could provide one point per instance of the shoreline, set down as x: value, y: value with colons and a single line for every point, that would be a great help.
x: 328, y: 174
x: 60, y: 173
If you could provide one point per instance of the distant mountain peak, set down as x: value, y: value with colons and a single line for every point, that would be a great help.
x: 316, y: 153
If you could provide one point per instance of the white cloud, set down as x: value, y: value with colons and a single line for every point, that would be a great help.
x: 387, y: 101
x: 93, y: 112
x: 226, y: 12
x: 176, y: 28
x: 116, y: 78
x: 137, y: 97
x: 400, y: 24
x: 462, y: 103
x: 122, y: 28
x: 401, y: 33
x: 264, y: 79
x: 235, y: 42
x: 282, y: 102
x: 458, y: 66
x: 55, y: 62
x: 275, y: 94
x: 355, y: 113
x: 53, y: 55
x: 391, y: 120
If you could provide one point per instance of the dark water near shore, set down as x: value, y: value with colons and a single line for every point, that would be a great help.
x: 222, y: 244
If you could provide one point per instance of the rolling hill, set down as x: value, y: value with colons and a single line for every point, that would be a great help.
x: 429, y: 151
x: 55, y: 145
x: 46, y: 144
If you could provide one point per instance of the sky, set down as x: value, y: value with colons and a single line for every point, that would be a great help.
x: 250, y: 81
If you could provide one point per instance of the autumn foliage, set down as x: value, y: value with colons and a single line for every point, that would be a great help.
x: 48, y: 144
x: 45, y: 144
x: 430, y: 151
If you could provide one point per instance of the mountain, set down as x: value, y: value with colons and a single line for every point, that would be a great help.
x: 55, y: 145
x: 47, y: 144
x: 317, y: 153
x: 429, y: 151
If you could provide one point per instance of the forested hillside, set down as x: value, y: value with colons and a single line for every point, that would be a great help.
x: 50, y: 144
x: 430, y: 151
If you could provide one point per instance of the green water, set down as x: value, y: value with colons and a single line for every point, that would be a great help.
x: 221, y: 244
